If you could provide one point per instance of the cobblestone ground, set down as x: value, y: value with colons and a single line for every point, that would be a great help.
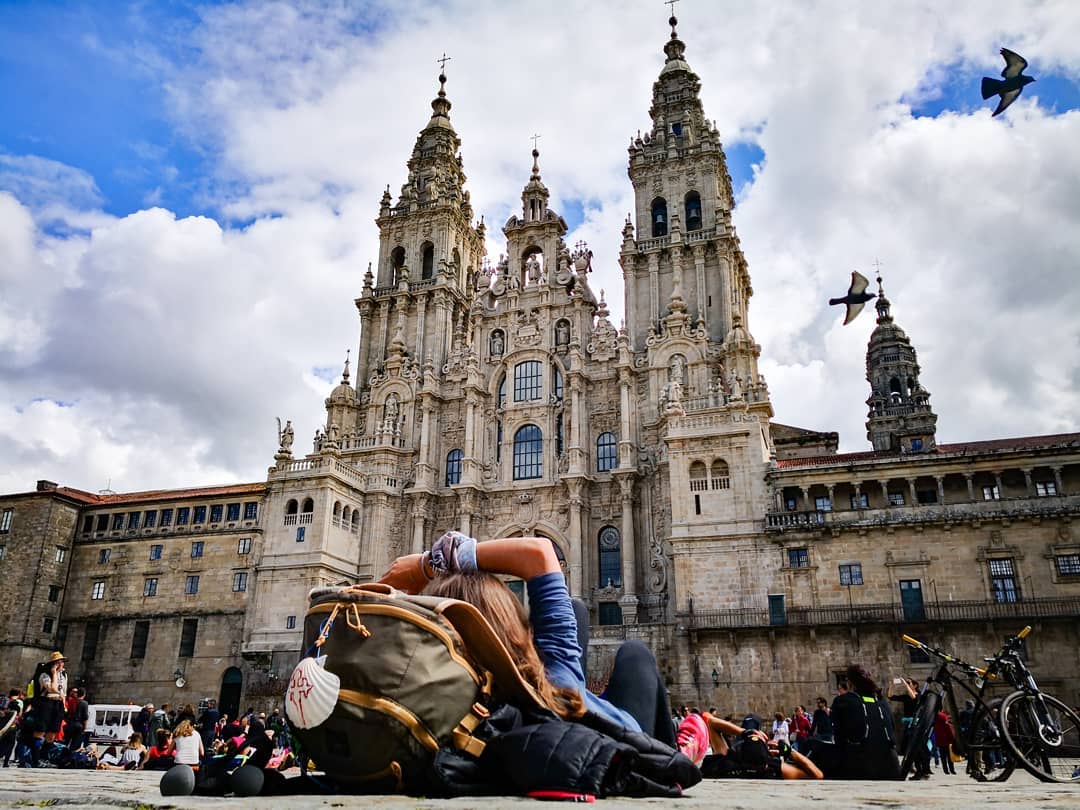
x: 86, y: 789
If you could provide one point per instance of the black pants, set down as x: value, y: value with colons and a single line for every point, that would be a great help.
x: 635, y: 685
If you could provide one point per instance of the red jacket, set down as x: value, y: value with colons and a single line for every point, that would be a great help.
x: 943, y: 731
x: 802, y: 725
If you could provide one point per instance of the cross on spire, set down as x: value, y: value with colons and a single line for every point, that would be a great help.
x: 672, y: 4
x: 535, y: 138
x: 877, y: 266
x: 444, y: 59
x: 672, y: 21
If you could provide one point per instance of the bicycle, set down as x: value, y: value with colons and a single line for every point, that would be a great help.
x: 1027, y: 727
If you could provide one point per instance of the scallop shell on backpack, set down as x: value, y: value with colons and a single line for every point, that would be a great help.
x: 312, y: 694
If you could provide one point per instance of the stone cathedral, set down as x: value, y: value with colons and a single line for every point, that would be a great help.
x: 497, y: 398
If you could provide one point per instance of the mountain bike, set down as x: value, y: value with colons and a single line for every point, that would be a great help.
x: 1026, y: 728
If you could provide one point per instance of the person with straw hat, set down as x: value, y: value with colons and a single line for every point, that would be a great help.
x: 50, y: 686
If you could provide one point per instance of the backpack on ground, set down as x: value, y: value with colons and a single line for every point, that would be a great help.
x: 390, y: 679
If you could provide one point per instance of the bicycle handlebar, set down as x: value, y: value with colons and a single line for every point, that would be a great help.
x: 912, y: 641
x: 1024, y: 633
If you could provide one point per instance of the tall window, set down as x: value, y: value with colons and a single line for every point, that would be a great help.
x: 693, y: 211
x: 187, y: 638
x: 139, y: 639
x: 102, y: 523
x: 234, y: 512
x: 149, y: 586
x: 659, y: 217
x: 699, y: 477
x: 191, y: 584
x: 559, y: 434
x: 397, y: 261
x: 557, y: 383
x: 61, y: 554
x: 133, y: 520
x: 149, y: 518
x: 501, y: 398
x: 54, y: 593
x: 117, y: 521
x: 428, y: 260
x: 606, y: 455
x: 90, y: 642
x: 610, y: 558
x: 1003, y: 580
x: 243, y: 546
x: 251, y: 510
x: 719, y: 475
x: 498, y: 442
x: 183, y: 514
x: 5, y: 520
x: 528, y: 453
x: 798, y: 558
x: 166, y: 517
x: 98, y: 590
x: 528, y: 381
x: 104, y: 555
x: 155, y: 552
x: 197, y: 548
x: 453, y: 467
x: 239, y: 581
x: 200, y: 515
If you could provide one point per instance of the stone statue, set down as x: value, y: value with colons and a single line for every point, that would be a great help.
x: 562, y: 333
x: 734, y: 387
x: 497, y: 346
x: 532, y: 269
x: 317, y: 443
x: 285, y: 437
x: 678, y: 369
x: 392, y: 408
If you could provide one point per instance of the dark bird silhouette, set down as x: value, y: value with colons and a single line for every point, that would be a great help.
x: 1014, y: 83
x: 856, y: 297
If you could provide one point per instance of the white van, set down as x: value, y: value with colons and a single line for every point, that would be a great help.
x: 111, y: 723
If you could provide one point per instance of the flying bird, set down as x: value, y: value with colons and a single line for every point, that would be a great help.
x: 856, y: 297
x: 1014, y: 83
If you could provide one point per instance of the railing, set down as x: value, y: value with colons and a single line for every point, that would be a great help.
x: 1009, y: 508
x: 843, y: 615
x: 702, y: 235
x: 656, y: 242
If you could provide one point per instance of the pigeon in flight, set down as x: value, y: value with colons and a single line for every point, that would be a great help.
x: 1014, y: 83
x: 856, y: 297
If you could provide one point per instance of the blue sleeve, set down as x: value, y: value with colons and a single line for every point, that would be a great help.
x: 554, y: 629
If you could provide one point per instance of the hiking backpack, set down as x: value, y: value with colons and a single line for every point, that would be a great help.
x: 386, y: 682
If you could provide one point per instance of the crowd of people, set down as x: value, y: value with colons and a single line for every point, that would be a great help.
x: 47, y: 725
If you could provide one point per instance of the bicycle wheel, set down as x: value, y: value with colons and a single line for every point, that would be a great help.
x: 918, y: 733
x: 1048, y: 750
x: 988, y: 757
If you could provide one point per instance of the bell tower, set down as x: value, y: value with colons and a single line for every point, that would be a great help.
x: 899, y: 418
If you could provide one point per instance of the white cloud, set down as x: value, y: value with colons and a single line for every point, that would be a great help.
x: 177, y: 340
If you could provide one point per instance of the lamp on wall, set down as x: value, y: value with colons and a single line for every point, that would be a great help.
x: 181, y: 682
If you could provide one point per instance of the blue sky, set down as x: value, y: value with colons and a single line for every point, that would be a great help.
x: 189, y: 181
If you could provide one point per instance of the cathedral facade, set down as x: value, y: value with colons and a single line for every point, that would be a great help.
x: 500, y: 400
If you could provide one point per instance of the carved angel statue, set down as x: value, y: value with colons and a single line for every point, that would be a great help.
x: 285, y: 436
x: 734, y: 386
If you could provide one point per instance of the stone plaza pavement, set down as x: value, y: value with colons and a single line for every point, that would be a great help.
x: 86, y: 789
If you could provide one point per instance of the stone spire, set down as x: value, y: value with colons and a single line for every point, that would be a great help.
x: 899, y: 417
x: 534, y: 197
x: 435, y: 168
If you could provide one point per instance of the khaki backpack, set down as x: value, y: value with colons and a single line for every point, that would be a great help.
x: 389, y: 679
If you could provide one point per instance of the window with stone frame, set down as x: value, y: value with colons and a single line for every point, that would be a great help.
x: 3, y: 550
x: 217, y: 512
x: 1003, y: 584
x: 97, y: 591
x: 183, y: 514
x: 243, y: 546
x: 454, y: 461
x: 557, y: 383
x: 191, y: 584
x: 896, y: 499
x: 188, y: 634
x: 528, y: 453
x: 798, y: 558
x: 149, y: 518
x: 133, y: 520
x: 699, y: 476
x: 90, y: 641
x: 239, y: 582
x: 290, y: 622
x: 166, y: 517
x: 118, y: 521
x: 823, y: 503
x: 54, y: 593
x: 860, y: 501
x: 719, y: 474
x: 102, y: 523
x: 197, y: 548
x: 500, y: 399
x: 1068, y: 565
x: 104, y: 555
x: 5, y: 520
x: 606, y: 452
x: 528, y: 381
x: 47, y: 625
x: 610, y: 552
x: 916, y: 444
x: 251, y: 510
x: 199, y: 515
x: 991, y: 493
x: 61, y: 554
x: 233, y: 512
x: 1045, y: 489
x: 851, y: 574
x: 139, y: 638
x: 609, y: 614
x: 155, y: 551
x: 88, y: 524
x: 150, y: 586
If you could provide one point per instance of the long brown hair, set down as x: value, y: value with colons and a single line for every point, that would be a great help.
x: 507, y: 618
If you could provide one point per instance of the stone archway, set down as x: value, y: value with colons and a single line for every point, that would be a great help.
x: 232, y: 687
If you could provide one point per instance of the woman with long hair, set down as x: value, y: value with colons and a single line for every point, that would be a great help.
x: 545, y: 642
x: 863, y: 729
x: 187, y: 746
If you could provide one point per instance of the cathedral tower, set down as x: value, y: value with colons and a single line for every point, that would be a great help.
x: 900, y: 418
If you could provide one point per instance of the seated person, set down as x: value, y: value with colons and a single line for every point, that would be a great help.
x: 863, y: 729
x: 156, y: 758
x: 752, y: 755
x: 545, y: 643
x: 109, y: 760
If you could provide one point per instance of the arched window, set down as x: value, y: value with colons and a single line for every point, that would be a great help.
x: 453, y: 467
x: 337, y: 509
x: 528, y: 382
x: 291, y: 507
x: 496, y: 343
x: 528, y: 453
x: 355, y: 527
x: 699, y: 477
x: 397, y: 261
x: 532, y: 266
x: 894, y: 386
x: 309, y: 505
x: 610, y: 558
x: 346, y: 513
x: 693, y: 211
x: 606, y: 456
x: 427, y: 253
x: 721, y: 477
x: 659, y: 217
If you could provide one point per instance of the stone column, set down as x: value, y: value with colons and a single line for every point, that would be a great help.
x: 470, y: 448
x: 1029, y: 483
x: 427, y: 412
x: 573, y: 486
x: 805, y: 498
x: 630, y: 281
x: 421, y: 311
x: 858, y: 495
x: 577, y: 454
x: 726, y: 283
x: 468, y: 506
x: 885, y: 493
x: 911, y: 489
x: 626, y: 442
x: 1057, y: 481
x: 832, y: 501
x: 997, y: 483
x: 629, y: 601
x: 970, y: 485
x: 940, y: 488
x: 654, y: 289
x: 702, y: 290
x: 362, y: 357
x: 419, y: 524
x: 442, y: 332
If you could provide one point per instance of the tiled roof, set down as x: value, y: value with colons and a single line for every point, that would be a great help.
x: 953, y: 449
x: 95, y: 499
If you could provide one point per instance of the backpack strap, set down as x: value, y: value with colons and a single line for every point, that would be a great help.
x: 463, y: 735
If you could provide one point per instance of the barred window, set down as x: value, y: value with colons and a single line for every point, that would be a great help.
x: 1003, y: 580
x: 851, y: 574
x: 1068, y: 565
x: 606, y: 454
x: 699, y: 477
x: 528, y: 381
x: 454, y: 461
x: 610, y: 557
x: 798, y: 558
x: 528, y: 453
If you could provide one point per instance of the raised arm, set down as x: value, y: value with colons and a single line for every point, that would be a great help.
x: 523, y: 557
